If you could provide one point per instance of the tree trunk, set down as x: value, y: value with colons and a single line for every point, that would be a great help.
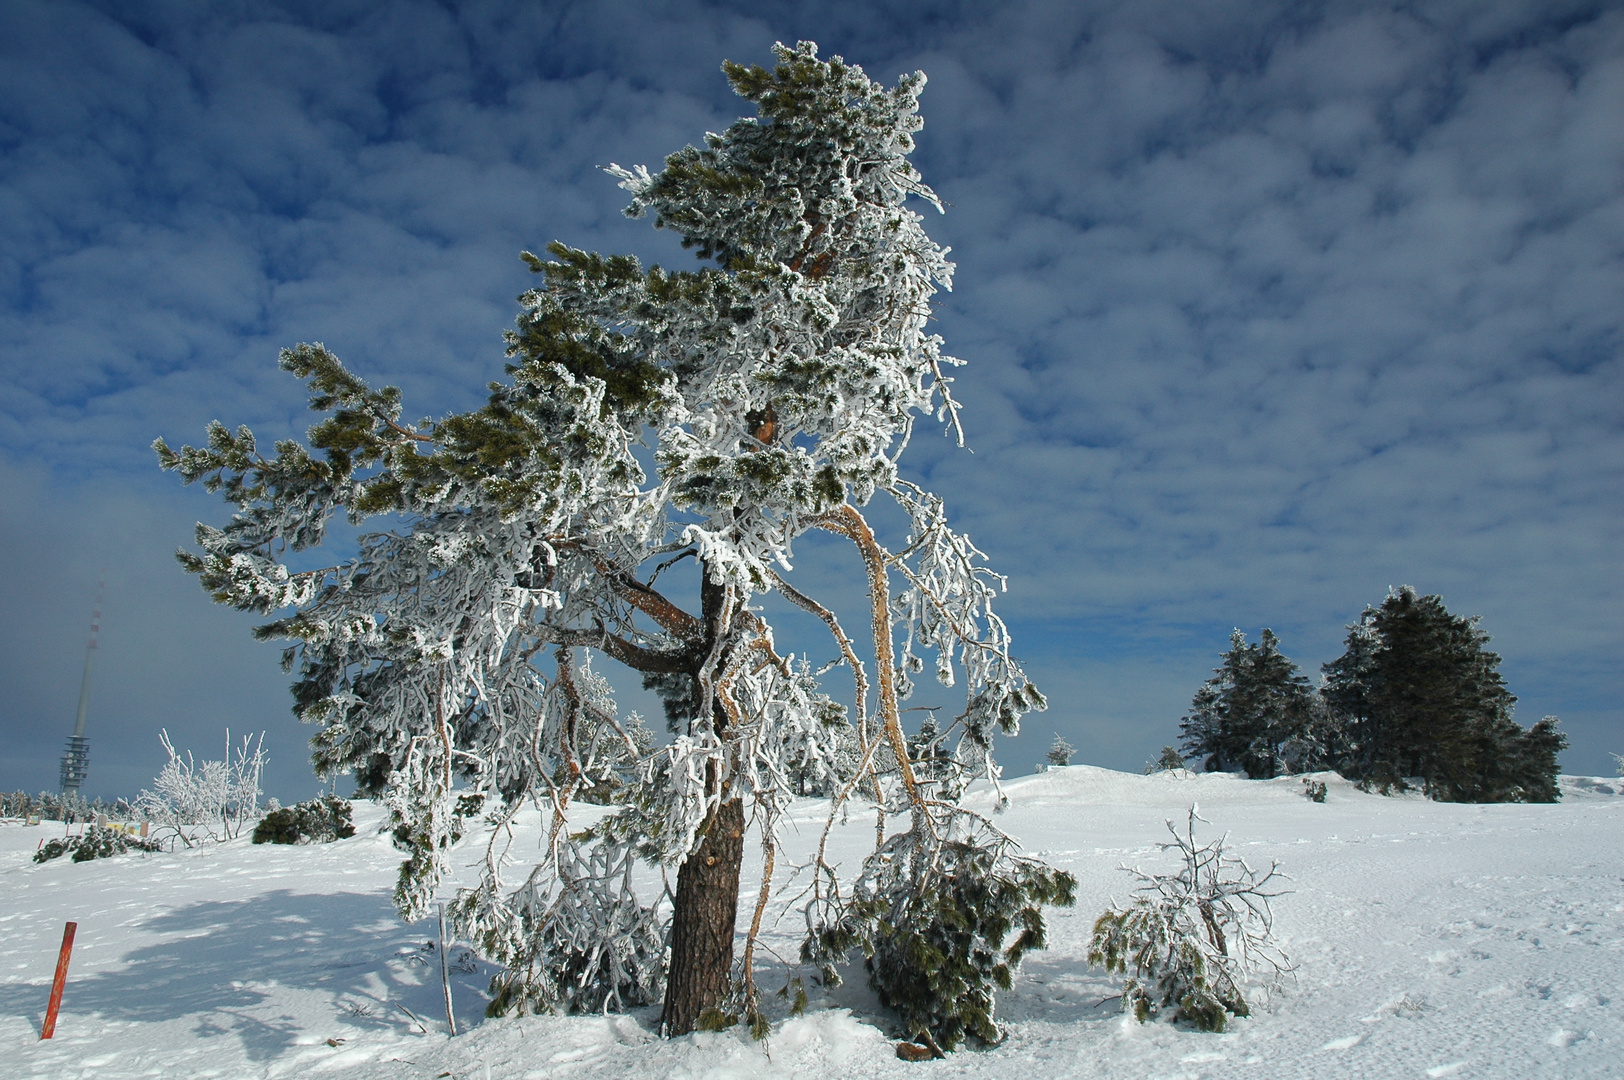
x: 707, y: 905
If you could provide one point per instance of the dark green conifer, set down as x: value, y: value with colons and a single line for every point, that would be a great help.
x: 1420, y: 698
x: 316, y: 821
x: 1254, y: 715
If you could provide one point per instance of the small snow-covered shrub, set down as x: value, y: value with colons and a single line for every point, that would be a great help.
x: 317, y: 821
x: 935, y: 762
x: 96, y: 842
x: 580, y: 941
x: 1189, y: 939
x: 1060, y: 752
x: 1315, y: 790
x: 931, y: 917
x: 191, y: 800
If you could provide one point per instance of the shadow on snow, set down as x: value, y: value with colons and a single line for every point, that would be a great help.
x: 222, y: 961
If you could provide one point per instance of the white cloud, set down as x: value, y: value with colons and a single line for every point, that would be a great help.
x: 1268, y: 306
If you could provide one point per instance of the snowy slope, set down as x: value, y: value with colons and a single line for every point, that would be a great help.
x: 1432, y: 940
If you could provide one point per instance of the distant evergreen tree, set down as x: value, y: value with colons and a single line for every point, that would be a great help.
x: 1418, y: 696
x: 934, y: 761
x: 1344, y: 694
x: 1169, y: 760
x: 1200, y: 732
x: 1533, y: 761
x: 825, y: 769
x: 1255, y: 714
x: 1318, y: 742
x: 1060, y: 752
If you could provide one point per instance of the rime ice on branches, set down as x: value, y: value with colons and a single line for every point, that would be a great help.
x: 456, y: 665
x: 1189, y: 940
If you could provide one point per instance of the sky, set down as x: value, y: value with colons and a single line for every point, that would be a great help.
x: 1267, y: 308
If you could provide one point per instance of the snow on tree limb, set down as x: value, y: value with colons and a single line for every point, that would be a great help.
x: 779, y: 381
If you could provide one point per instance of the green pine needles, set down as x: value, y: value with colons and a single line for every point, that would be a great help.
x: 316, y: 821
x: 635, y: 484
x: 96, y: 842
x: 932, y: 922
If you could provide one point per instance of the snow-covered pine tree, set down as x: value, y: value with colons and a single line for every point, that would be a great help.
x: 1201, y: 729
x: 1255, y: 714
x: 780, y: 381
x: 1060, y: 752
x: 936, y: 768
x: 1418, y: 695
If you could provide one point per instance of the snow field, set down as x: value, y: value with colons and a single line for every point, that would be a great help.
x: 1431, y: 940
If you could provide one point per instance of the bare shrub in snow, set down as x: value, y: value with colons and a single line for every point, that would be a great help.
x: 1188, y: 940
x: 192, y: 801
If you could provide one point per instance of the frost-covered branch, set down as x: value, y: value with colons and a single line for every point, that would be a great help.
x: 1189, y: 940
x: 213, y: 800
x: 510, y: 552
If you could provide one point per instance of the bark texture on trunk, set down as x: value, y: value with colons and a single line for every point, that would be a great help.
x: 706, y: 909
x: 706, y: 905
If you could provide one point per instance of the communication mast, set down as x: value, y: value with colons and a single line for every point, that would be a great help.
x: 76, y: 762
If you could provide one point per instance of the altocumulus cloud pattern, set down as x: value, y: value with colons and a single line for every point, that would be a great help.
x: 1267, y: 306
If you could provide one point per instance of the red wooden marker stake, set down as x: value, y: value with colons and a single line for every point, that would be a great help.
x: 61, y: 979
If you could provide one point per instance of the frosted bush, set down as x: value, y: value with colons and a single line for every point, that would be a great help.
x: 96, y: 842
x: 193, y: 801
x: 932, y: 916
x: 317, y: 821
x: 1188, y: 940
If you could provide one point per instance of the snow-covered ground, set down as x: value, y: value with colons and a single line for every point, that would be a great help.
x: 1431, y: 940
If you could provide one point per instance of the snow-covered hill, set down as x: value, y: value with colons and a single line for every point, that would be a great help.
x: 1431, y: 940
